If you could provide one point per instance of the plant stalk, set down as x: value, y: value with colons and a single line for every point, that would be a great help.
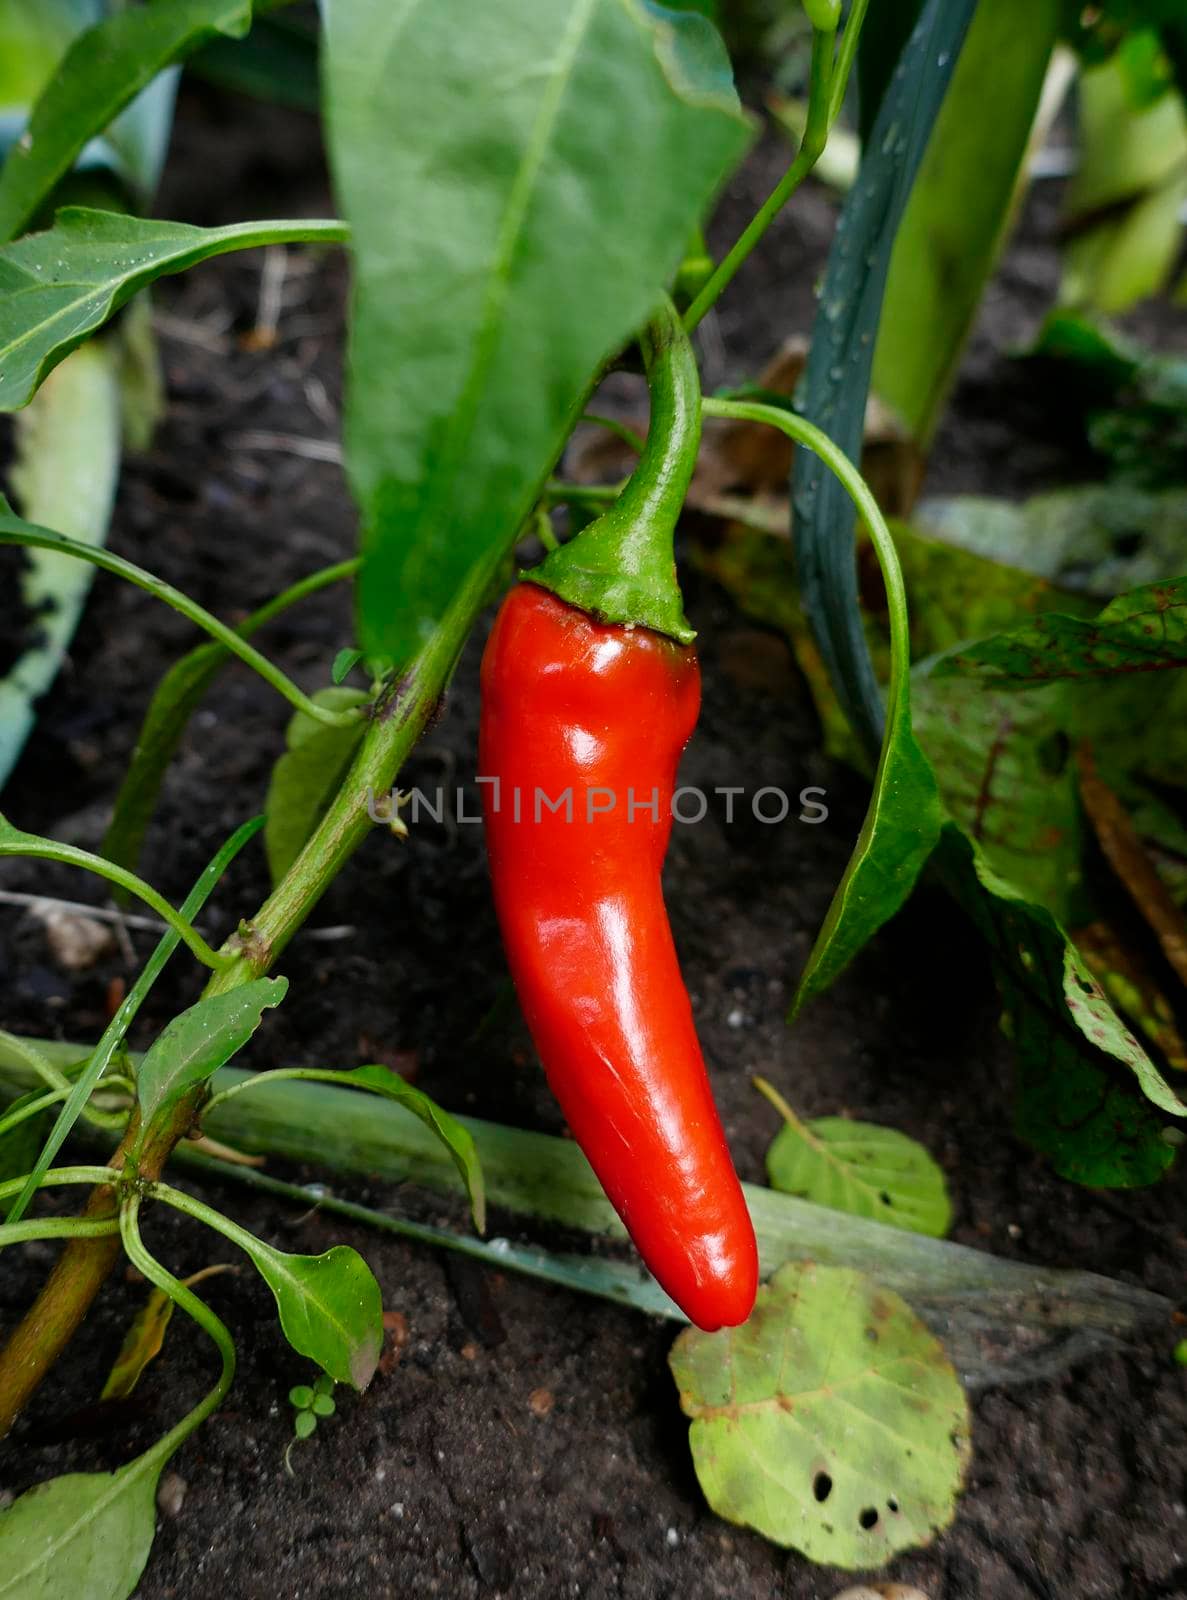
x: 398, y: 722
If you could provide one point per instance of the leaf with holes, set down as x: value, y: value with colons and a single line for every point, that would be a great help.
x: 831, y: 1421
x: 863, y: 1169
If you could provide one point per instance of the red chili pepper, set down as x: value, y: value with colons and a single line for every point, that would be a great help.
x: 583, y: 724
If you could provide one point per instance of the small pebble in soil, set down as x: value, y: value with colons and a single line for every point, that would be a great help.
x: 171, y: 1494
x: 672, y: 1537
x: 541, y: 1402
x: 881, y: 1591
x: 76, y: 942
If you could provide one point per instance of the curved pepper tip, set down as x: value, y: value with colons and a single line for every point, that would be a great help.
x: 719, y: 1292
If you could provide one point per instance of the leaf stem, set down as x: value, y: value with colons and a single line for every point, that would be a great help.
x: 769, y: 1092
x: 57, y: 1228
x: 261, y: 1080
x: 13, y: 530
x: 811, y: 148
x: 621, y: 430
x: 812, y: 438
x: 138, y: 1255
x: 621, y: 568
x: 56, y: 1176
x: 846, y: 56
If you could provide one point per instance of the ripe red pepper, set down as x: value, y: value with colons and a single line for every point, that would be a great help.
x: 599, y: 714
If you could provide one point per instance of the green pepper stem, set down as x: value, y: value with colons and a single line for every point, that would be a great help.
x: 621, y: 568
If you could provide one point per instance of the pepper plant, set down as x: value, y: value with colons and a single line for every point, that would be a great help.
x: 512, y: 234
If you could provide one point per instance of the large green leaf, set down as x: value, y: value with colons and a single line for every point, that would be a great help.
x: 201, y: 1040
x: 1097, y: 539
x: 1074, y: 1104
x: 59, y: 286
x: 87, y: 1534
x: 961, y: 207
x: 1143, y: 631
x: 307, y: 775
x: 837, y: 378
x: 103, y: 69
x: 521, y: 180
x: 1008, y: 779
x: 831, y: 1421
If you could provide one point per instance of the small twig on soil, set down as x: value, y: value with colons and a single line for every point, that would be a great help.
x: 36, y: 903
x: 288, y: 444
x: 209, y: 335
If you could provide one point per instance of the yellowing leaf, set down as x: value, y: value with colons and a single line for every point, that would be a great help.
x: 831, y: 1422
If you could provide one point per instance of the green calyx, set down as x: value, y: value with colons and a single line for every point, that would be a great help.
x: 621, y: 568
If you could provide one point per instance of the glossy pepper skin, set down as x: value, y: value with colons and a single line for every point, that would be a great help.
x: 604, y: 710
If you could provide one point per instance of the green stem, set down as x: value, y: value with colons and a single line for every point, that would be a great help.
x: 807, y: 434
x: 129, y: 1225
x: 57, y: 1176
x: 810, y: 150
x: 769, y: 1092
x: 113, y: 1035
x: 581, y: 494
x: 15, y: 843
x: 57, y: 1228
x: 621, y: 568
x: 620, y: 430
x: 15, y: 531
x: 200, y: 1212
x: 44, y: 1068
x: 261, y: 1080
x: 846, y: 57
x: 33, y: 1109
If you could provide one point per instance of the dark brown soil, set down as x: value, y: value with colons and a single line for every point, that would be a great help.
x: 443, y: 1479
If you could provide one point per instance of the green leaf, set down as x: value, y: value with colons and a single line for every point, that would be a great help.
x: 344, y: 664
x: 57, y: 287
x: 307, y: 776
x: 512, y: 229
x: 1007, y: 777
x: 301, y: 1397
x: 329, y: 1305
x: 103, y: 69
x: 64, y: 475
x: 20, y: 1143
x: 897, y: 836
x: 201, y: 1040
x: 837, y: 377
x: 1097, y: 539
x: 304, y: 1424
x: 1143, y: 631
x: 86, y: 1534
x: 142, y: 1344
x: 457, y: 1139
x: 961, y: 207
x: 323, y: 1406
x: 831, y: 1421
x: 858, y: 1167
x: 277, y: 61
x: 1073, y: 1103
